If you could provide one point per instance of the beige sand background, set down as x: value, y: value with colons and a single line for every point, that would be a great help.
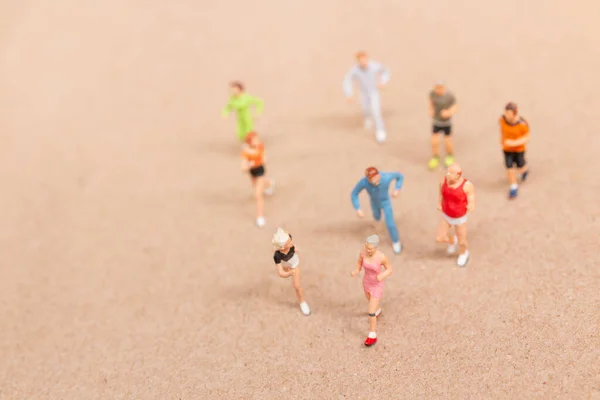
x: 130, y: 267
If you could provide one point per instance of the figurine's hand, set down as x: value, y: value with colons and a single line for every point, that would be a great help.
x: 350, y: 99
x: 444, y: 114
x: 470, y: 207
x: 360, y: 214
x: 292, y: 272
x: 353, y: 273
x: 439, y: 207
x: 380, y: 277
x: 395, y: 193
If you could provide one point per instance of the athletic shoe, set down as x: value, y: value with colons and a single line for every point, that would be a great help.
x: 434, y: 162
x: 380, y: 136
x: 524, y: 176
x: 463, y: 259
x: 452, y: 247
x: 397, y: 247
x: 260, y: 222
x: 305, y: 308
x: 370, y: 341
x: 368, y: 123
x: 513, y: 193
x: 271, y: 189
x: 449, y: 160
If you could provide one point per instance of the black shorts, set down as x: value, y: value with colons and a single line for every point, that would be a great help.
x: 258, y: 171
x: 511, y: 158
x: 446, y: 129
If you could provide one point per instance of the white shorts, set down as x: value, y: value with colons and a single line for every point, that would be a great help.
x: 454, y: 221
x: 292, y: 262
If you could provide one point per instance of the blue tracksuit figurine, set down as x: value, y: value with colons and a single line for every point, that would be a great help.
x: 377, y: 185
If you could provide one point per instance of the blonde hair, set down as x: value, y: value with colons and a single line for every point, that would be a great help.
x: 280, y: 238
x: 373, y: 239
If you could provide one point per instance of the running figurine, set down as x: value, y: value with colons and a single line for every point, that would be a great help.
x: 372, y: 259
x: 253, y: 161
x: 288, y: 264
x: 442, y: 106
x: 514, y: 132
x: 377, y: 185
x: 456, y: 199
x: 240, y: 102
x: 371, y: 77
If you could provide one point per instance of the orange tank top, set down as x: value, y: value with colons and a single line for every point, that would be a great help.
x: 254, y: 156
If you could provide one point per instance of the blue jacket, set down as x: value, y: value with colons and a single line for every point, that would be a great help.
x: 379, y: 194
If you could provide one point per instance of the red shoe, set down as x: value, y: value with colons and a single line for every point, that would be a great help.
x: 370, y: 341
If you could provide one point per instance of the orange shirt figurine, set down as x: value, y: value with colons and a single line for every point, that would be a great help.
x: 514, y: 137
x: 253, y: 161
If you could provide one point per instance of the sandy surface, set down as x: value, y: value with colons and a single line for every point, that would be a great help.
x: 130, y: 266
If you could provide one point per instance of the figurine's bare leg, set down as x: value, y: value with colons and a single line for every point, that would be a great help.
x: 258, y: 194
x: 368, y: 296
x: 443, y: 233
x: 461, y: 232
x: 373, y: 307
x: 297, y: 287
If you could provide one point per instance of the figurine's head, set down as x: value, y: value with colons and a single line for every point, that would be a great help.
x: 236, y: 87
x: 511, y: 112
x: 280, y: 239
x: 372, y: 175
x: 439, y: 88
x: 453, y: 173
x: 252, y: 139
x: 371, y: 244
x: 362, y: 59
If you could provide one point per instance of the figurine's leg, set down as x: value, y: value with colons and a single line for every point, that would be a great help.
x: 443, y: 232
x: 373, y: 308
x: 297, y: 286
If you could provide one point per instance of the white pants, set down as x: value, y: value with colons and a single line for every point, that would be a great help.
x: 455, y: 221
x: 371, y: 105
x: 292, y: 262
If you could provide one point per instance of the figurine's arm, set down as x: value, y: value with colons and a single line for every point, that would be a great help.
x: 360, y: 186
x: 258, y: 103
x: 227, y: 109
x: 384, y: 74
x: 359, y: 265
x: 439, y: 207
x: 388, y: 269
x: 347, y: 85
x: 281, y: 272
x: 470, y: 191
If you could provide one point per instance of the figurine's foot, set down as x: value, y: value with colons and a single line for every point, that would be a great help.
x: 371, y: 339
x: 368, y: 123
x: 260, y: 222
x: 513, y: 193
x: 271, y: 189
x: 434, y: 162
x: 380, y: 136
x: 449, y: 160
x: 305, y: 308
x: 397, y: 247
x: 463, y: 259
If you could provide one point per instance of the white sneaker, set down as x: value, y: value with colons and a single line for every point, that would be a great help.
x: 463, y: 259
x: 452, y: 247
x: 305, y: 308
x: 260, y: 222
x: 271, y: 189
x: 368, y: 123
x: 380, y: 136
x: 397, y: 247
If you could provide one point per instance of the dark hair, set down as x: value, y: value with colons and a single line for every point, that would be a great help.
x: 237, y: 84
x: 512, y: 107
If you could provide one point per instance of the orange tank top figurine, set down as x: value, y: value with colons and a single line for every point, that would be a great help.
x: 254, y: 155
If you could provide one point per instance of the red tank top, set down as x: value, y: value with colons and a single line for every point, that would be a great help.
x: 454, y: 200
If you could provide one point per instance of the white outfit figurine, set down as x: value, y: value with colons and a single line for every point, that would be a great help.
x: 371, y: 77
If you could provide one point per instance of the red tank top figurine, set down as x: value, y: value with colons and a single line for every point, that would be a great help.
x: 454, y: 200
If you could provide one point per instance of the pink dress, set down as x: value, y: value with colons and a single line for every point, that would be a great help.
x: 370, y: 283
